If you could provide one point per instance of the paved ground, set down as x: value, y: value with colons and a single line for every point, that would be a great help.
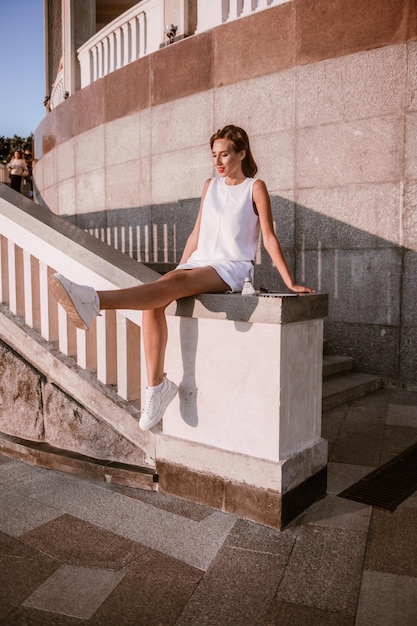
x: 75, y: 552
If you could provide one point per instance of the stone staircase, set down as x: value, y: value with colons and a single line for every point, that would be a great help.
x: 342, y: 384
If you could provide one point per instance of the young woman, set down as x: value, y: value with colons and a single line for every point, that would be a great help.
x: 18, y: 169
x: 217, y: 258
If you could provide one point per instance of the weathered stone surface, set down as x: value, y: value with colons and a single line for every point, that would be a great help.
x: 20, y: 397
x: 70, y: 426
x: 35, y: 409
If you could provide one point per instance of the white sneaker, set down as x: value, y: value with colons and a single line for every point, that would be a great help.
x: 80, y: 302
x: 156, y: 403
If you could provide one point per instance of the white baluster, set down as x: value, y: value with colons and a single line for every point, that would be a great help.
x: 127, y: 56
x: 94, y: 62
x: 118, y: 37
x: 142, y: 34
x: 106, y: 348
x: 16, y: 286
x: 112, y: 53
x: 4, y: 277
x: 134, y: 38
x: 100, y: 59
x: 128, y: 358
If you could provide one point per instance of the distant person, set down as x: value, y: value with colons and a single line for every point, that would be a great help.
x: 18, y: 169
x: 27, y: 155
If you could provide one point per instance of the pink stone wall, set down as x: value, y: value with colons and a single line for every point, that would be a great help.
x: 327, y: 90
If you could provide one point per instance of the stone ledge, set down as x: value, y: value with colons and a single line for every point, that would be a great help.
x: 42, y: 454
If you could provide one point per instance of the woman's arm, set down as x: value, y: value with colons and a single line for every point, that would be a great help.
x: 272, y: 246
x: 192, y: 240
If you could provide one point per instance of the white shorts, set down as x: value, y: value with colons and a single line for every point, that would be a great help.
x: 232, y: 272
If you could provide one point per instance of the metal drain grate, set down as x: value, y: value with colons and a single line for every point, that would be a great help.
x: 386, y: 487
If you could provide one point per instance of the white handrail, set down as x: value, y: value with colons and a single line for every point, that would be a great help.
x: 134, y: 34
x: 57, y: 94
x: 141, y: 31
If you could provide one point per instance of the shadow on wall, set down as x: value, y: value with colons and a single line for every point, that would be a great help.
x: 372, y: 316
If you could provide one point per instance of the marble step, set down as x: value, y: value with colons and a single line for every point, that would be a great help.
x: 345, y: 387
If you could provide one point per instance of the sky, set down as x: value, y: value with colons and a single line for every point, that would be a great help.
x: 22, y: 75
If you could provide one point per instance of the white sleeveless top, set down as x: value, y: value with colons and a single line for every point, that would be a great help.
x: 229, y: 232
x: 229, y: 228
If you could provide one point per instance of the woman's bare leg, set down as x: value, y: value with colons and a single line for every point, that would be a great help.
x: 173, y: 285
x: 155, y: 336
x: 153, y: 299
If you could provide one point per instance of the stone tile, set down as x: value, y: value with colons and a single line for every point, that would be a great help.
x: 355, y: 449
x: 19, y: 514
x: 332, y: 421
x: 402, y: 415
x: 366, y: 421
x: 324, y: 569
x: 322, y: 31
x: 367, y: 84
x: 340, y: 476
x: 21, y: 576
x: 26, y: 616
x: 281, y: 613
x: 246, y: 535
x: 183, y: 70
x: 154, y: 592
x: 74, y: 591
x: 240, y: 53
x: 194, y: 543
x: 10, y: 546
x: 237, y: 589
x: 386, y: 599
x: 75, y: 542
x: 380, y: 397
x: 392, y: 543
x: 184, y: 508
x: 72, y: 495
x: 334, y: 512
x: 399, y: 438
x: 410, y: 503
x: 351, y: 152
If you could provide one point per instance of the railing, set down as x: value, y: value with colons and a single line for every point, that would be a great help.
x: 32, y: 247
x: 57, y: 93
x: 134, y: 34
x: 141, y: 31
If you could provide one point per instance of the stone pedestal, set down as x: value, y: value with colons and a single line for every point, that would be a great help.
x: 244, y: 433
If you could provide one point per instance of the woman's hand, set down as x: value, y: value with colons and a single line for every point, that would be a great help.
x: 301, y: 289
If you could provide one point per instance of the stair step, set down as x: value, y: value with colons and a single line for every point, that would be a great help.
x: 336, y: 364
x: 347, y: 387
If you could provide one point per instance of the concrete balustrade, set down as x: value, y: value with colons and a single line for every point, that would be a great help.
x: 243, y: 434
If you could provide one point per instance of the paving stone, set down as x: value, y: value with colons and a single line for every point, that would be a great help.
x: 247, y: 535
x: 21, y: 576
x: 324, y: 569
x: 335, y: 512
x: 75, y: 542
x: 282, y: 613
x: 74, y: 591
x: 238, y: 589
x: 184, y: 508
x: 153, y: 592
x: 26, y: 616
x: 356, y: 449
x: 392, y: 543
x: 387, y: 600
x: 340, y: 476
x: 20, y: 514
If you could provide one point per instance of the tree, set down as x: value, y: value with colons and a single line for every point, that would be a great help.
x: 9, y: 144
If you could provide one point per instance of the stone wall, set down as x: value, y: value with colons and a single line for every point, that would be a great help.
x: 328, y: 94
